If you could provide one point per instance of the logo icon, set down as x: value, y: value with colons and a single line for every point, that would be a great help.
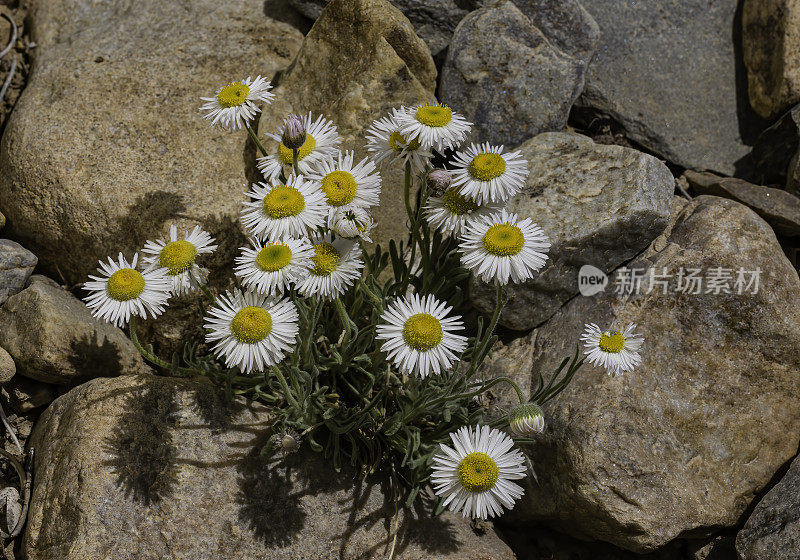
x: 591, y: 280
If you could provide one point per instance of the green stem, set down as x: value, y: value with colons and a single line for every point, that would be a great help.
x: 473, y: 367
x: 287, y: 392
x: 150, y: 357
x: 344, y: 318
x: 256, y: 140
x: 313, y: 309
x: 295, y: 160
x: 412, y: 226
x: 372, y: 296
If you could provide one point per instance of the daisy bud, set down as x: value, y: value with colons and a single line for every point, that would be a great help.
x: 294, y: 134
x: 438, y: 180
x: 526, y: 420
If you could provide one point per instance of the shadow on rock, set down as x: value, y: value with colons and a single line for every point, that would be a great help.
x: 144, y: 456
x: 91, y: 358
x: 269, y: 504
x: 434, y: 535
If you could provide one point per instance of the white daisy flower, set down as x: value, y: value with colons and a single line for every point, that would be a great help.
x: 500, y: 247
x: 321, y: 141
x: 345, y: 184
x: 434, y: 125
x: 388, y: 146
x: 351, y: 222
x: 475, y: 476
x: 270, y: 268
x: 278, y: 211
x: 122, y: 291
x: 484, y: 173
x: 451, y: 213
x: 234, y: 105
x: 616, y: 351
x: 251, y: 331
x: 179, y: 257
x: 526, y: 420
x: 334, y: 267
x: 419, y: 335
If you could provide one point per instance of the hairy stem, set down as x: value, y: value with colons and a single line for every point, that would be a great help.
x: 256, y: 140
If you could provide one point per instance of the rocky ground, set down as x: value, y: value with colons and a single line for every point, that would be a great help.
x: 658, y: 140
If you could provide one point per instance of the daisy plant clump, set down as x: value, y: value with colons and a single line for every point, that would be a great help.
x: 362, y: 351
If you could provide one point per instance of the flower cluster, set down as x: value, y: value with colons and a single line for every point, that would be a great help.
x: 375, y: 367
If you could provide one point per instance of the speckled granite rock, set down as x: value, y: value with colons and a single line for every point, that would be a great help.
x: 16, y: 266
x: 106, y: 145
x: 771, y: 49
x: 666, y: 71
x: 53, y: 337
x: 515, y: 68
x: 773, y: 529
x: 145, y: 468
x: 683, y: 445
x: 599, y: 205
x: 359, y: 60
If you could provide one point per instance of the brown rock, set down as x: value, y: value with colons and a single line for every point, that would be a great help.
x: 26, y: 394
x: 146, y: 468
x: 684, y: 444
x: 359, y: 60
x: 106, y: 145
x: 771, y: 48
x: 53, y: 337
x: 7, y: 367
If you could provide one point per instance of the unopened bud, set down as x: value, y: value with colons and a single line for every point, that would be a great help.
x: 526, y: 420
x: 439, y: 180
x: 294, y: 133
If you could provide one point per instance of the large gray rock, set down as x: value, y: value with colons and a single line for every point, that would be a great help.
x: 148, y: 468
x: 515, y: 69
x: 433, y: 20
x: 771, y: 49
x: 16, y: 266
x: 106, y: 144
x: 360, y: 59
x: 666, y: 71
x: 599, y: 205
x: 53, y: 337
x: 773, y: 529
x: 779, y: 208
x: 682, y: 445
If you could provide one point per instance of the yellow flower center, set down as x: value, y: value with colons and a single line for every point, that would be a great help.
x: 177, y: 256
x: 612, y: 342
x: 478, y: 472
x: 339, y: 187
x: 233, y: 95
x: 274, y: 257
x: 284, y: 201
x: 251, y: 324
x: 397, y: 141
x: 326, y: 259
x: 435, y: 115
x: 504, y: 240
x: 125, y: 284
x: 422, y: 331
x: 285, y: 154
x: 487, y: 166
x: 457, y: 203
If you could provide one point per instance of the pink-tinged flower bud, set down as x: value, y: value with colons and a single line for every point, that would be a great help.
x: 439, y: 180
x: 294, y: 133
